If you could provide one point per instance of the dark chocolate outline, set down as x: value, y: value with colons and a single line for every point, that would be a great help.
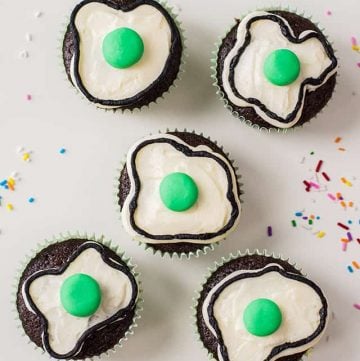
x: 286, y: 32
x: 278, y: 349
x: 176, y: 38
x: 189, y: 153
x: 122, y: 267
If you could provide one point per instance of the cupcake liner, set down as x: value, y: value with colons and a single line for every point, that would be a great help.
x: 214, y: 268
x: 221, y: 94
x: 78, y: 235
x: 147, y: 246
x: 175, y: 16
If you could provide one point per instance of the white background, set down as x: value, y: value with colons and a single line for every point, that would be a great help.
x: 76, y: 191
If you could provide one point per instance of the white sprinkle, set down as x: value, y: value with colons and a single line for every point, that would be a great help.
x: 19, y: 149
x: 38, y: 14
x: 23, y: 54
x: 28, y: 37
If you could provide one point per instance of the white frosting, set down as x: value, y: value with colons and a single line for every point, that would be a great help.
x: 249, y: 78
x: 93, y: 22
x: 212, y: 211
x: 300, y: 305
x: 64, y: 330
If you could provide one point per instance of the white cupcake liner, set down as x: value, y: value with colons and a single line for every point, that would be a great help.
x: 175, y: 16
x: 78, y: 235
x: 213, y: 269
x: 221, y: 94
x: 181, y: 255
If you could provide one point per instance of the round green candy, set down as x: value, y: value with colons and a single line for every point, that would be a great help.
x: 178, y: 191
x: 262, y: 317
x: 122, y: 48
x: 282, y: 67
x: 80, y: 295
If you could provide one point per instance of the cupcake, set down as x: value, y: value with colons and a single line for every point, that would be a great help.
x: 122, y: 54
x: 275, y: 69
x: 77, y: 299
x: 256, y: 307
x: 178, y: 193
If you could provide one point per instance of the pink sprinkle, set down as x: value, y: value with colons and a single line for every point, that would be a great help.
x: 358, y: 65
x: 357, y: 306
x: 315, y: 185
x: 353, y: 41
x: 331, y: 196
x: 328, y: 12
x: 29, y: 97
x: 344, y: 246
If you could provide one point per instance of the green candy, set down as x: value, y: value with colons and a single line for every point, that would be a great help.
x: 178, y: 191
x: 122, y: 48
x: 262, y: 317
x: 80, y: 295
x: 282, y: 67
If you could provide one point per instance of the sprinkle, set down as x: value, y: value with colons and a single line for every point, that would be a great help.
x: 346, y: 182
x: 293, y: 222
x: 358, y: 65
x: 344, y: 246
x: 31, y: 200
x: 343, y: 204
x: 315, y: 185
x: 38, y: 14
x: 298, y: 214
x: 358, y: 240
x: 350, y: 221
x: 349, y: 236
x: 305, y: 218
x: 339, y: 196
x: 26, y: 157
x: 23, y: 54
x: 62, y: 151
x: 344, y: 240
x: 312, y: 153
x: 356, y: 265
x: 20, y: 149
x: 9, y: 207
x: 353, y: 40
x: 338, y: 139
x: 321, y: 234
x: 343, y: 226
x: 28, y: 37
x: 357, y: 306
x: 351, y: 204
x: 331, y: 196
x: 350, y: 269
x: 326, y: 176
x: 28, y: 97
x: 269, y: 231
x: 342, y: 149
x: 319, y: 165
x: 311, y: 222
x: 328, y: 12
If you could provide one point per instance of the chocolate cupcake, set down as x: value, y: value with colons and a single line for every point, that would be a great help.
x: 77, y: 299
x: 275, y: 69
x: 178, y: 193
x: 260, y: 308
x: 122, y: 54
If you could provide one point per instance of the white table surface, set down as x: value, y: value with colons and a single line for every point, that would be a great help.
x: 76, y: 191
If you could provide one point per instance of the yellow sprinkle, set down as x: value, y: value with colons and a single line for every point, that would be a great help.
x: 346, y: 182
x: 11, y: 181
x: 356, y: 47
x: 9, y: 207
x: 321, y: 234
x: 26, y: 157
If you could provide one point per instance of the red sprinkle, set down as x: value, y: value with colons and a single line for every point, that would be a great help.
x: 343, y: 226
x: 358, y: 240
x: 326, y: 176
x: 318, y: 167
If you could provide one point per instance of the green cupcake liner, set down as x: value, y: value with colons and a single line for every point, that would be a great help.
x: 78, y: 235
x: 214, y: 268
x: 221, y: 94
x: 175, y: 16
x: 180, y: 255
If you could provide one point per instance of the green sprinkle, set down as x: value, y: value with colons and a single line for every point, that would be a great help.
x: 293, y: 222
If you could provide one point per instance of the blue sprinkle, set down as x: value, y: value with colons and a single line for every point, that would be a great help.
x: 350, y: 222
x: 350, y: 269
x: 298, y: 214
x: 31, y: 200
x: 62, y: 151
x: 318, y: 217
